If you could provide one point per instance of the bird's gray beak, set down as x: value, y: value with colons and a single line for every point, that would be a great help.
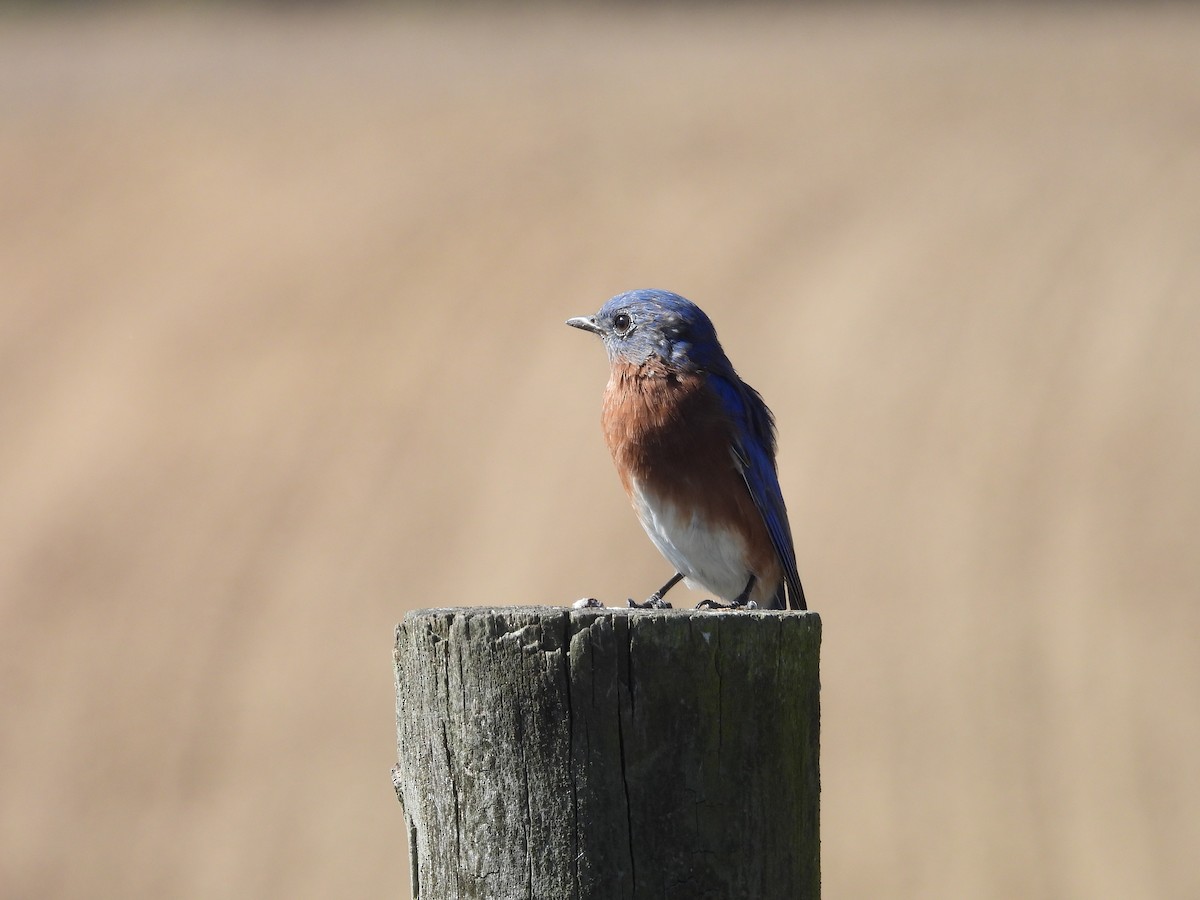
x: 587, y: 323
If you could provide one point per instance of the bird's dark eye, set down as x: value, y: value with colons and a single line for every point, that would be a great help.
x: 621, y: 323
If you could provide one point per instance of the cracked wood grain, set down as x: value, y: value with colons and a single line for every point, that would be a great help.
x: 581, y: 754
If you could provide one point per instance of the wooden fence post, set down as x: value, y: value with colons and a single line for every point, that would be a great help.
x: 554, y: 754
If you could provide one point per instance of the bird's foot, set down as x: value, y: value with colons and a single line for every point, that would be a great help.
x: 587, y: 603
x: 741, y: 601
x: 733, y: 604
x: 654, y: 601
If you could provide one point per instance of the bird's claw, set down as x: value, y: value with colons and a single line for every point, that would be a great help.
x: 734, y: 604
x: 653, y: 602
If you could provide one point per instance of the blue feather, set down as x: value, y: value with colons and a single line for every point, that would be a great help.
x: 754, y: 449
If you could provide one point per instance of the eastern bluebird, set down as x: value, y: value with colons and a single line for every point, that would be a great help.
x: 694, y: 446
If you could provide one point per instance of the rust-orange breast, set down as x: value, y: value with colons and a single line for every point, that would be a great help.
x: 670, y: 433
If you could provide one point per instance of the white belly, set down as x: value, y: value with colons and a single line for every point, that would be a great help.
x: 708, y: 558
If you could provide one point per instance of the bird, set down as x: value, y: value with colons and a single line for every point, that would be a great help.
x: 694, y: 447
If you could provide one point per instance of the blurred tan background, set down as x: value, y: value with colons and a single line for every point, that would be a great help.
x: 282, y: 357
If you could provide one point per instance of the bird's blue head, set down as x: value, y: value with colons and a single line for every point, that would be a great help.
x: 639, y: 326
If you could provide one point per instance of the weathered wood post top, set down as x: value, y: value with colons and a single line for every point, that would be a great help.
x: 566, y: 754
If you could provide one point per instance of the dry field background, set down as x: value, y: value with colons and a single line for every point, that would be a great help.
x: 282, y: 357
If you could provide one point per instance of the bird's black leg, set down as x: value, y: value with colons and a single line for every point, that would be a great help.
x: 743, y: 599
x: 655, y: 600
x: 738, y: 602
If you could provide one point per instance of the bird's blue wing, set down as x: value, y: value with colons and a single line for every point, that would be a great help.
x: 754, y: 453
